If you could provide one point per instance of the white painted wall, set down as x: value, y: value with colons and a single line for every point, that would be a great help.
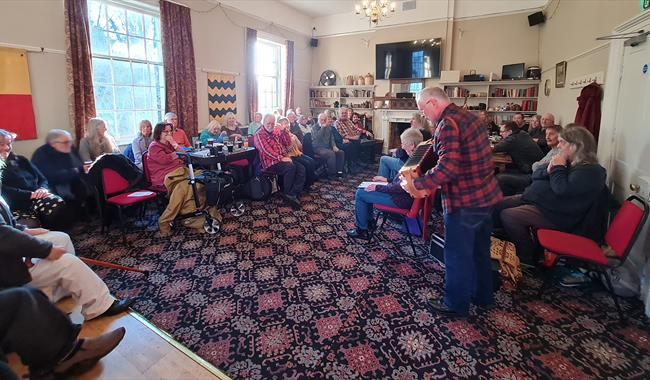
x: 273, y: 12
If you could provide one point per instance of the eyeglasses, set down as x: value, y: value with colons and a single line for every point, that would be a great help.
x: 67, y: 142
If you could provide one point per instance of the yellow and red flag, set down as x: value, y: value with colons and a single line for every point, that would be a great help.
x: 16, y: 111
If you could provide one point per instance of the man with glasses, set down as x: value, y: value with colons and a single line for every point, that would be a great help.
x: 59, y: 162
x: 465, y: 173
x: 524, y: 151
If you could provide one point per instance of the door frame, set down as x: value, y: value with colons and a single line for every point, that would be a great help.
x: 609, y: 131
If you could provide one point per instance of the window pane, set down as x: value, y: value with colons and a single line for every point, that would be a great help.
x: 140, y: 74
x: 126, y: 125
x: 152, y: 27
x: 122, y: 70
x: 145, y: 115
x: 116, y: 19
x: 102, y: 72
x: 157, y: 75
x: 123, y: 98
x: 141, y: 98
x: 135, y: 24
x: 154, y: 51
x: 97, y: 14
x: 109, y: 117
x: 136, y: 48
x: 98, y: 41
x: 119, y: 47
x: 104, y: 97
x: 158, y: 98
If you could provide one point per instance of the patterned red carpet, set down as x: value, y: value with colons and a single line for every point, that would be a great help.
x: 284, y: 294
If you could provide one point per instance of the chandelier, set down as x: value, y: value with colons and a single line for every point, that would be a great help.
x: 375, y: 10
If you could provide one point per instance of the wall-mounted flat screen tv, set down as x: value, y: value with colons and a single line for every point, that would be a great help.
x: 417, y: 59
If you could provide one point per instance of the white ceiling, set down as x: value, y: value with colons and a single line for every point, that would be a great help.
x: 318, y: 8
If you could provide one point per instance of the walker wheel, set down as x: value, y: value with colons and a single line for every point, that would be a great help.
x: 211, y: 226
x: 237, y: 208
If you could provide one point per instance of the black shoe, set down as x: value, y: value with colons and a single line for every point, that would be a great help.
x: 292, y: 200
x: 358, y: 233
x: 118, y: 307
x: 439, y: 307
x: 339, y: 174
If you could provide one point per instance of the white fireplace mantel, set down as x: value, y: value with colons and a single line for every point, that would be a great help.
x: 387, y: 116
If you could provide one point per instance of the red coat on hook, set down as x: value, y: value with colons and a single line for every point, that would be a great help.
x: 589, y: 108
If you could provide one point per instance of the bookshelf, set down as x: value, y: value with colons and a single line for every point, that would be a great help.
x: 359, y: 98
x: 498, y: 96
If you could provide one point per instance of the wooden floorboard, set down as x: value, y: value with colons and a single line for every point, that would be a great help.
x: 145, y: 352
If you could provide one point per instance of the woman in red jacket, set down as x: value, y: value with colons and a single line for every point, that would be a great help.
x: 161, y: 157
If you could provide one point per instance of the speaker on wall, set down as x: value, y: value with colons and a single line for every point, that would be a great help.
x: 313, y: 42
x: 536, y: 18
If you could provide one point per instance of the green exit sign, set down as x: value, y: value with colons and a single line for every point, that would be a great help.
x: 645, y: 4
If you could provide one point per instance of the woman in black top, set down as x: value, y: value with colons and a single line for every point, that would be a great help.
x: 560, y: 195
x: 26, y: 189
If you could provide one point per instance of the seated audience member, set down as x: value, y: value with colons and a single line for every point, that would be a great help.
x: 356, y: 120
x: 162, y: 158
x: 278, y: 113
x: 297, y: 155
x: 421, y: 123
x: 536, y: 131
x: 26, y: 190
x: 389, y: 166
x: 391, y: 194
x: 523, y: 151
x: 51, y: 266
x: 96, y: 141
x: 305, y: 129
x: 256, y: 124
x: 486, y: 119
x: 212, y: 131
x: 351, y: 138
x: 304, y: 122
x: 518, y: 119
x: 324, y: 146
x: 272, y: 144
x: 559, y: 196
x: 60, y: 163
x: 142, y: 141
x: 178, y: 133
x: 552, y: 136
x: 294, y: 127
x: 547, y: 120
x: 231, y: 127
x: 299, y: 111
x: 45, y: 339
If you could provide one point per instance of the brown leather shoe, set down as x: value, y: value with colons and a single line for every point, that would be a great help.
x: 90, y: 351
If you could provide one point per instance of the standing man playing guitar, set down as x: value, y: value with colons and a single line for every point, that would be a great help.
x: 465, y: 173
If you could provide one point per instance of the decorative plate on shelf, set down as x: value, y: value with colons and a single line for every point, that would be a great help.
x: 328, y: 78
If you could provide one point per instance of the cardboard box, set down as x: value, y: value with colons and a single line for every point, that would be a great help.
x: 449, y: 76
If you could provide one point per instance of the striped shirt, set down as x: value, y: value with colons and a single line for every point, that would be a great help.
x: 464, y: 170
x: 272, y: 146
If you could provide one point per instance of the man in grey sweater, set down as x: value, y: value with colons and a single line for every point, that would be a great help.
x: 325, y: 147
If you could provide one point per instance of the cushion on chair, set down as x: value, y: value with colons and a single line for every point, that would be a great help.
x: 570, y: 245
x: 239, y: 163
x: 157, y: 188
x: 394, y: 210
x: 126, y: 200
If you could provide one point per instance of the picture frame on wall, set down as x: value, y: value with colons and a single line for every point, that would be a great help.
x: 560, y: 74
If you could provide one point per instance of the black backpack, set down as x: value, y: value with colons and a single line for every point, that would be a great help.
x: 257, y: 188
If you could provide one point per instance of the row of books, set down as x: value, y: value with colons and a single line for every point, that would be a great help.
x: 529, y: 105
x: 529, y: 92
x: 456, y: 92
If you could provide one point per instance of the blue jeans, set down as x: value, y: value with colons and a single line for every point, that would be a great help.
x: 468, y: 267
x: 389, y: 167
x: 363, y: 201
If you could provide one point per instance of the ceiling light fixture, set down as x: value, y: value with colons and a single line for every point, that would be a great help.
x: 375, y: 10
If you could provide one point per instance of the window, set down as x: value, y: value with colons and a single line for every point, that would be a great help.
x: 269, y: 65
x: 128, y: 75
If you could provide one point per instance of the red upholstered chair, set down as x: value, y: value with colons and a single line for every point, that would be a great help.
x: 586, y: 253
x: 420, y: 205
x: 114, y: 191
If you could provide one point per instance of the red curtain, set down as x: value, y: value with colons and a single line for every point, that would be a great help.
x: 251, y: 79
x: 180, y: 70
x: 288, y: 77
x: 79, y: 66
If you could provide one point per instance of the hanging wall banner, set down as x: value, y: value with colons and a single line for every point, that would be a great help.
x: 222, y: 97
x: 16, y: 111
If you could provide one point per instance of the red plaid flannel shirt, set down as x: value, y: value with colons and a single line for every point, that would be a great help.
x: 347, y: 128
x: 271, y: 147
x: 464, y: 170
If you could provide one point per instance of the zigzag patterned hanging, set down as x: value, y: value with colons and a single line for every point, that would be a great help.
x: 222, y: 96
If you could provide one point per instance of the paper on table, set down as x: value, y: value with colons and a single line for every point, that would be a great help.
x: 140, y: 194
x: 363, y: 185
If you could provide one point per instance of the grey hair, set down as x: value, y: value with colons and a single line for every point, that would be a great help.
x: 169, y: 115
x: 267, y: 116
x: 411, y: 135
x: 282, y: 120
x: 6, y: 134
x: 54, y: 134
x: 433, y: 92
x: 583, y: 142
